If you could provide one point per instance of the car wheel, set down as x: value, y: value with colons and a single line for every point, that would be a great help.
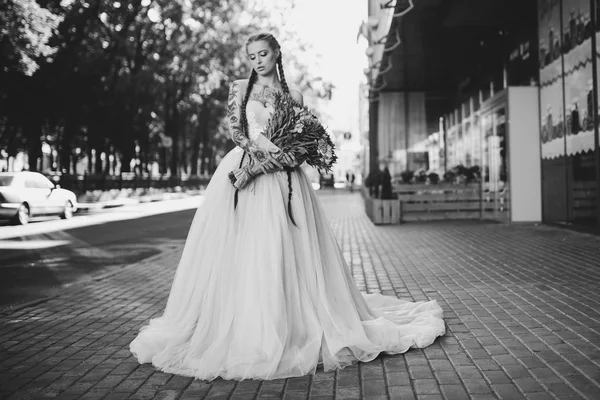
x: 23, y: 215
x: 67, y: 211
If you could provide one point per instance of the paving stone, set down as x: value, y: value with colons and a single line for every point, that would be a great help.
x: 454, y: 392
x: 520, y: 303
x: 402, y: 392
x: 426, y: 386
x: 477, y: 386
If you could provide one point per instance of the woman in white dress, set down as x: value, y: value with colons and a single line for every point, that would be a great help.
x: 257, y: 295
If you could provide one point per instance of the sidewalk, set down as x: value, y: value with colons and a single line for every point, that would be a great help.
x: 522, y: 304
x: 94, y: 200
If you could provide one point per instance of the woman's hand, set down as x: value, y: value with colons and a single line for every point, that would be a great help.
x: 268, y: 161
x: 287, y: 160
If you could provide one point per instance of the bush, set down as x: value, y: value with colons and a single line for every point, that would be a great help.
x: 433, y: 178
x: 450, y: 176
x: 420, y: 176
x: 407, y: 176
x: 462, y: 174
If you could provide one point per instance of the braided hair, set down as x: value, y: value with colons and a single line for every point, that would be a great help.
x: 243, y: 118
x: 274, y: 44
x: 284, y: 84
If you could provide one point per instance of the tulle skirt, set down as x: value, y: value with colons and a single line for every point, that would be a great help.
x: 256, y: 297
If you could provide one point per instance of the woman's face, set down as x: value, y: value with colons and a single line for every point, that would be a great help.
x: 262, y: 57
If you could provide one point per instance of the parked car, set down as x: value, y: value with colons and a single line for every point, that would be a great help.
x: 25, y: 194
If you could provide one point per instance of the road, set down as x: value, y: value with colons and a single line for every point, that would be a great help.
x: 45, y: 256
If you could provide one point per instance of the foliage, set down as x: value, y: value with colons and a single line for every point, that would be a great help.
x: 124, y: 83
x: 407, y: 176
x: 296, y: 129
x: 25, y: 30
x: 462, y: 174
x: 420, y: 176
x: 433, y: 178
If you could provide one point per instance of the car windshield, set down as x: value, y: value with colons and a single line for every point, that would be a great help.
x: 6, y: 180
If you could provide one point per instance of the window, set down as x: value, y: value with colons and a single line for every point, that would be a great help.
x: 42, y: 182
x: 6, y: 180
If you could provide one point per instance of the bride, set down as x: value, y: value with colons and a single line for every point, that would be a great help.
x: 257, y: 296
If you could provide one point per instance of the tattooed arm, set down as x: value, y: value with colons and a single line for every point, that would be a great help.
x: 268, y: 156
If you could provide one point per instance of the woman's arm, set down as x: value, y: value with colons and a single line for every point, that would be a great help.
x: 266, y: 157
x: 263, y: 151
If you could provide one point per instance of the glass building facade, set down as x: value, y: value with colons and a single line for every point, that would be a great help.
x: 568, y: 109
x: 476, y: 133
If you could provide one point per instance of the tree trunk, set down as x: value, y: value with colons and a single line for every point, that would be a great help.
x: 90, y: 161
x: 126, y: 157
x: 195, y: 155
x: 98, y: 167
x: 75, y: 159
x: 205, y: 168
x: 198, y: 138
x: 107, y: 152
x: 175, y: 136
x: 65, y: 151
x: 211, y: 159
x: 164, y: 166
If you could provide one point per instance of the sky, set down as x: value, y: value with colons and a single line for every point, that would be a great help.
x: 331, y: 27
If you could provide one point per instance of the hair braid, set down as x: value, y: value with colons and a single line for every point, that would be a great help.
x: 284, y: 84
x: 244, y: 119
x: 286, y: 89
x: 289, y: 207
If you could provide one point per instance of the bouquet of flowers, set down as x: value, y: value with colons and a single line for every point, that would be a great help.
x: 295, y: 130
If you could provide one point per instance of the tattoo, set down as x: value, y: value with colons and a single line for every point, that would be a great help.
x: 237, y: 134
x: 233, y: 111
x: 232, y: 106
x: 265, y: 96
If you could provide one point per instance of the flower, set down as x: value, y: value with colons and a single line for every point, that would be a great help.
x: 298, y: 128
x: 322, y: 146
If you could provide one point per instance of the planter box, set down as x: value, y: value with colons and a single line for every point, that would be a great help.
x: 421, y: 202
x: 381, y: 211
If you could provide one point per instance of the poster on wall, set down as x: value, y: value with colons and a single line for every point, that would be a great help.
x: 551, y: 81
x: 577, y: 50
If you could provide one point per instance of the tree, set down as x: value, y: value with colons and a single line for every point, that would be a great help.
x: 26, y: 29
x: 136, y: 83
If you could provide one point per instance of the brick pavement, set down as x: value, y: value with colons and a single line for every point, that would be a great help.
x: 522, y: 304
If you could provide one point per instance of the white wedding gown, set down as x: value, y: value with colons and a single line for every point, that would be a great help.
x: 255, y: 297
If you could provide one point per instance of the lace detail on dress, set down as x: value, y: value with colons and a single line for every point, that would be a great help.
x: 254, y: 128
